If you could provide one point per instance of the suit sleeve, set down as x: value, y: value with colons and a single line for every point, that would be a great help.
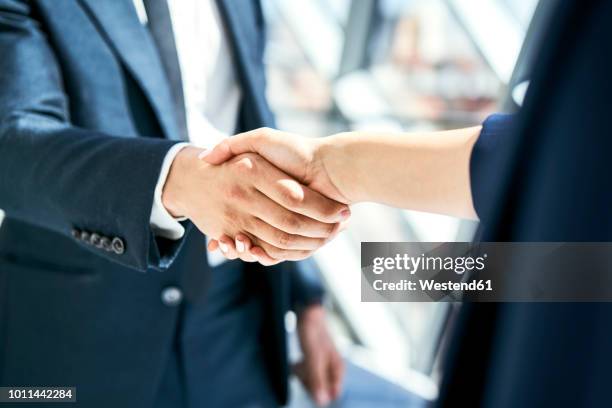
x: 495, y: 136
x: 306, y: 287
x: 62, y: 177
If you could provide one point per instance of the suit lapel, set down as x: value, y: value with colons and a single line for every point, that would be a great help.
x: 133, y: 44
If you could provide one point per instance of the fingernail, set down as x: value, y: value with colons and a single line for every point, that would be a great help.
x: 224, y: 247
x: 240, y: 245
x: 345, y: 214
x: 203, y: 153
x: 322, y: 398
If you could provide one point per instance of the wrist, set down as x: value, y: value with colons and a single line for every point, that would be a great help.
x: 332, y: 156
x: 174, y: 193
x: 313, y: 312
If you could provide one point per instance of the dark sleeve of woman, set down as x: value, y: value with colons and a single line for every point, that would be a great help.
x: 491, y: 147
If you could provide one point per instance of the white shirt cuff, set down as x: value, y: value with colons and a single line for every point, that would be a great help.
x: 162, y: 223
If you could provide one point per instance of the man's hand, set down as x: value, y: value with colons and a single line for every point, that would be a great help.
x: 249, y: 195
x: 322, y: 369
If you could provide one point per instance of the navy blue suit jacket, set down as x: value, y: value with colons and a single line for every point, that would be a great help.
x: 544, y: 175
x: 86, y: 119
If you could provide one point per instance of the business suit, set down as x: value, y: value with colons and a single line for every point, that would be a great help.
x: 86, y: 119
x: 543, y: 175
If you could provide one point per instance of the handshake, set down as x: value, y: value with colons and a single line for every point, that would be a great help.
x: 264, y: 196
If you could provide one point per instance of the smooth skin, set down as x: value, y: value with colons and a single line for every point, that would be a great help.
x: 419, y: 171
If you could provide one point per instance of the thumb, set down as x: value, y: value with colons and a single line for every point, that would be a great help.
x: 233, y: 146
x: 218, y: 154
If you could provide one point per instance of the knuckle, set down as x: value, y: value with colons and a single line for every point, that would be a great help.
x: 330, y: 211
x: 318, y: 242
x: 263, y: 131
x: 236, y: 192
x: 274, y: 252
x: 292, y: 197
x: 254, y: 157
x: 245, y: 164
x: 247, y: 224
x: 285, y: 240
x: 291, y: 223
x: 224, y: 147
x: 229, y: 216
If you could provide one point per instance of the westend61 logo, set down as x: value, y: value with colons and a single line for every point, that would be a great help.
x: 413, y: 264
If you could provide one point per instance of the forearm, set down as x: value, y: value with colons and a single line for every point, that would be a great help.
x: 420, y: 171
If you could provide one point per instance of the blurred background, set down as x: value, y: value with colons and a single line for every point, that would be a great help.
x: 402, y: 65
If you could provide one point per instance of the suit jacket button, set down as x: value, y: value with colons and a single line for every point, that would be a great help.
x: 95, y: 240
x: 76, y: 234
x: 105, y: 244
x: 85, y: 236
x: 171, y: 296
x: 118, y: 246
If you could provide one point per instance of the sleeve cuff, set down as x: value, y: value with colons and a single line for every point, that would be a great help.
x: 496, y: 132
x: 162, y: 223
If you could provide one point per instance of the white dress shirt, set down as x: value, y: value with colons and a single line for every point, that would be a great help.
x: 211, y: 91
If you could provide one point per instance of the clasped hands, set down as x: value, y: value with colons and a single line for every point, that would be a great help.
x: 262, y: 196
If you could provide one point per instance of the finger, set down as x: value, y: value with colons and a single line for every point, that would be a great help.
x: 344, y: 225
x: 317, y: 381
x: 298, y: 198
x: 335, y: 232
x: 280, y: 254
x: 226, y: 244
x: 243, y: 243
x: 290, y: 222
x: 232, y: 249
x: 262, y: 257
x: 280, y: 239
x: 213, y: 245
x: 287, y: 193
x: 336, y: 375
x: 233, y: 146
